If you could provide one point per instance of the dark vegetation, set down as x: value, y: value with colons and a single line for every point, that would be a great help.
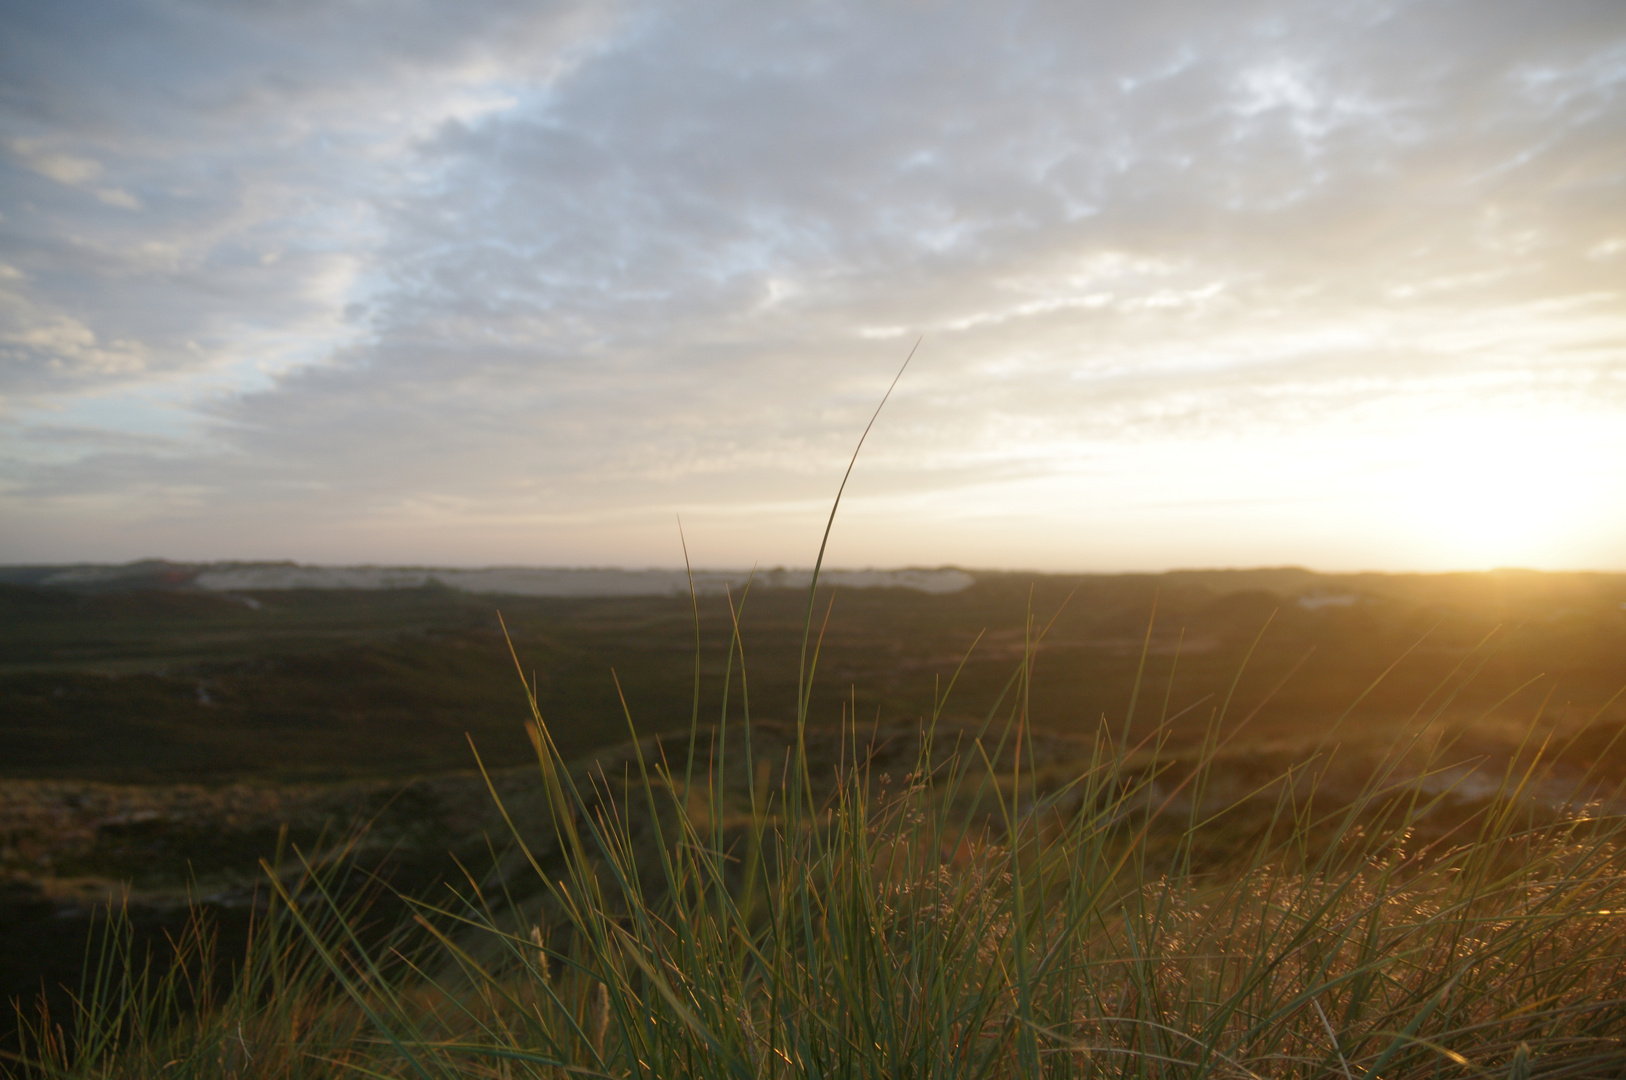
x: 159, y: 685
x: 158, y: 741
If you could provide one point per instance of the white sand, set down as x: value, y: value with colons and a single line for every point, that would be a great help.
x: 521, y: 581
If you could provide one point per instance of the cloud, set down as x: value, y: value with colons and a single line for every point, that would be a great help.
x: 63, y: 168
x: 525, y: 262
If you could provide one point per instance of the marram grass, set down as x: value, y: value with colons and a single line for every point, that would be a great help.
x: 776, y: 904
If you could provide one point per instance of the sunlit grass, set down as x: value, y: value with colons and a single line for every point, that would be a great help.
x: 790, y: 908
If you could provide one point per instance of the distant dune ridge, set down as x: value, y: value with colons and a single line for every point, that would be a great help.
x: 510, y: 581
x: 520, y: 581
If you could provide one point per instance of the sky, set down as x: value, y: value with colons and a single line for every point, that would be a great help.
x: 1340, y: 285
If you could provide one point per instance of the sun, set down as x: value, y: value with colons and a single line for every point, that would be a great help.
x: 1503, y: 488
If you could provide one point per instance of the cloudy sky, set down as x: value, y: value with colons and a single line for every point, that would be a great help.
x: 473, y: 283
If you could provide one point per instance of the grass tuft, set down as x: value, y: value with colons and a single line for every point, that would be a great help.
x: 931, y: 901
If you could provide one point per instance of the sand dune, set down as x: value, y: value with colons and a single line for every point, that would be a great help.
x: 524, y: 581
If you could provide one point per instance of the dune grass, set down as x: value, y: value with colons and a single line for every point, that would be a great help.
x: 977, y: 912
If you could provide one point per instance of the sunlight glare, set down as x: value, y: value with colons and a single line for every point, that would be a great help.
x: 1501, y: 488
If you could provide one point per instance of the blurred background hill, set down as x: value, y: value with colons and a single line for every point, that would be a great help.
x: 139, y: 674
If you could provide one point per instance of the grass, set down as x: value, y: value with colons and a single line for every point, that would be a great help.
x: 945, y: 900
